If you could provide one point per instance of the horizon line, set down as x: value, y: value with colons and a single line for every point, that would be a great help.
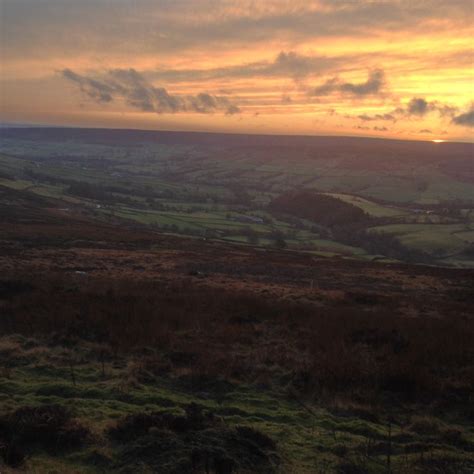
x: 25, y: 126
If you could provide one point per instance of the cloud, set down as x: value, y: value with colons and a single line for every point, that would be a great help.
x: 381, y: 129
x: 96, y: 90
x: 137, y: 92
x: 425, y: 130
x: 297, y: 65
x: 330, y: 86
x: 285, y: 64
x: 420, y: 107
x: 445, y: 110
x: 232, y: 109
x: 417, y: 106
x: 373, y: 85
x: 370, y: 118
x: 466, y: 119
x: 153, y: 26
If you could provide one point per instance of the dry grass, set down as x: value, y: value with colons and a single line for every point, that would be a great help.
x: 354, y: 349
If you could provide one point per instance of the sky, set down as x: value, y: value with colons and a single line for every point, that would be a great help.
x: 389, y: 69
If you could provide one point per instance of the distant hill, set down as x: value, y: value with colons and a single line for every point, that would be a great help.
x: 376, y: 148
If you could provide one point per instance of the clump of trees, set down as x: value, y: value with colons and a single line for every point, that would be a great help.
x: 89, y: 191
x: 343, y: 222
x: 320, y: 208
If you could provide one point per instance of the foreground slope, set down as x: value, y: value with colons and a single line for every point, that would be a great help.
x: 126, y: 350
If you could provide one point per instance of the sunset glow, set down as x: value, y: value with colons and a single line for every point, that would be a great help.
x: 393, y: 69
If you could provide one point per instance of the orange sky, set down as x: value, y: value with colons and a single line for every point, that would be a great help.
x: 399, y: 69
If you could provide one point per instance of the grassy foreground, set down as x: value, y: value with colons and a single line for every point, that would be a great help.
x: 99, y: 392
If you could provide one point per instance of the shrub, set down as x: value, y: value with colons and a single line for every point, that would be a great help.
x: 48, y: 426
x: 197, y: 442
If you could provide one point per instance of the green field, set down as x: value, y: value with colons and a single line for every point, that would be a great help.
x: 438, y: 239
x: 371, y: 207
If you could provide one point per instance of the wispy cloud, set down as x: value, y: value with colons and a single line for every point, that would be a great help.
x: 151, y: 26
x: 137, y: 92
x: 286, y: 64
x: 373, y: 85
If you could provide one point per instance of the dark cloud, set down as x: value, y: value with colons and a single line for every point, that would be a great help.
x: 327, y: 88
x: 137, y: 92
x: 381, y: 129
x: 418, y: 106
x: 372, y: 85
x: 466, y: 119
x: 370, y: 118
x: 425, y: 130
x: 96, y: 90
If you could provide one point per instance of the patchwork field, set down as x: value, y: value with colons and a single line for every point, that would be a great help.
x: 220, y: 187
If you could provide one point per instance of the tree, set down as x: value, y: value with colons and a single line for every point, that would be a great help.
x: 252, y: 238
x: 280, y: 243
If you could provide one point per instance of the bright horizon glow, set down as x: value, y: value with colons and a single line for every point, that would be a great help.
x: 373, y: 69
